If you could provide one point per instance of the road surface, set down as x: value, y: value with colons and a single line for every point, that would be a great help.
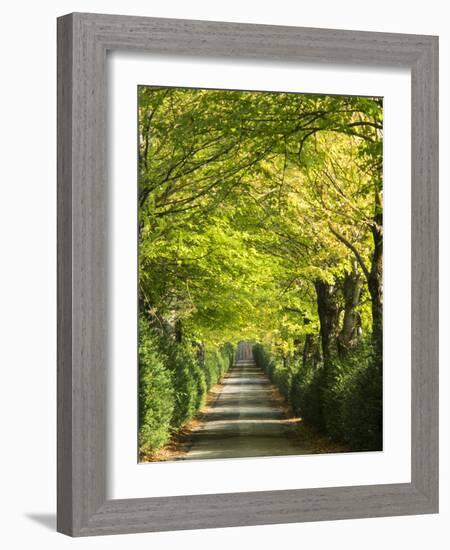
x: 244, y: 420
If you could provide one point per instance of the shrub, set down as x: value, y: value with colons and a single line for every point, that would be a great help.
x: 281, y: 377
x: 156, y: 395
x: 263, y: 359
x: 188, y: 383
x: 217, y: 363
x: 173, y: 384
x: 306, y: 395
x: 352, y: 400
x: 362, y: 411
x: 278, y: 373
x: 343, y: 400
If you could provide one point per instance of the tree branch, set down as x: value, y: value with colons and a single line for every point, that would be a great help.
x: 353, y: 249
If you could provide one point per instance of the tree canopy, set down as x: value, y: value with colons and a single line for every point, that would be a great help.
x: 246, y: 199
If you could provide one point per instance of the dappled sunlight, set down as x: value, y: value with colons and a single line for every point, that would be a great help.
x: 243, y: 419
x: 260, y: 263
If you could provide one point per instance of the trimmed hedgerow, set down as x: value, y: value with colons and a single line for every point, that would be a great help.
x: 173, y: 384
x: 217, y: 363
x: 343, y: 400
x: 156, y: 394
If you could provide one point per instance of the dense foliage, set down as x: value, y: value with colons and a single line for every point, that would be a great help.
x: 345, y: 403
x: 260, y: 218
x: 173, y: 384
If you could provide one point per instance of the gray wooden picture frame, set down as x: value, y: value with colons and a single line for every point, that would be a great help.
x: 83, y: 41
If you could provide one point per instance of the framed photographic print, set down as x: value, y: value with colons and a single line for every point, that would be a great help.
x: 247, y: 274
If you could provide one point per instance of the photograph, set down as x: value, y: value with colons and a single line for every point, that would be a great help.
x: 260, y: 276
x: 220, y: 276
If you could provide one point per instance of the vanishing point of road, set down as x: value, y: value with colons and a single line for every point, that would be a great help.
x: 244, y: 418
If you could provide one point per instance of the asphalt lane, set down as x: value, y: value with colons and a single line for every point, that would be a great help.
x: 245, y: 420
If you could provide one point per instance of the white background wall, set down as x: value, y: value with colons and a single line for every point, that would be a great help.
x: 28, y: 270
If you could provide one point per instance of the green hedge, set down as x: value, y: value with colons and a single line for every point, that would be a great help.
x: 279, y: 374
x: 156, y: 394
x: 217, y: 363
x: 173, y: 384
x: 344, y: 400
x: 306, y: 396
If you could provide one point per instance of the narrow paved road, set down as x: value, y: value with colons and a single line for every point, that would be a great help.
x: 244, y: 420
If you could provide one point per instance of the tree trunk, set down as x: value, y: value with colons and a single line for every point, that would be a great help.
x: 375, y: 284
x: 328, y: 310
x: 374, y: 276
x: 348, y: 337
x: 307, y: 349
x: 178, y: 332
x: 200, y: 353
